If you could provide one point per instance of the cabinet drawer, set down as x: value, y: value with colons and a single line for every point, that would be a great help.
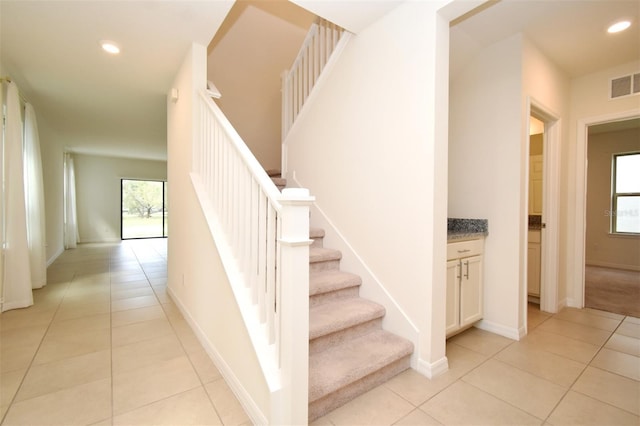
x: 464, y: 249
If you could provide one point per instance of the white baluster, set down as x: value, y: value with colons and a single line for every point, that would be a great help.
x: 270, y: 272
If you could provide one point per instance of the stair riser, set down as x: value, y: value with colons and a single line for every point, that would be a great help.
x: 324, y: 265
x: 324, y: 342
x: 319, y: 299
x: 317, y: 242
x: 340, y: 397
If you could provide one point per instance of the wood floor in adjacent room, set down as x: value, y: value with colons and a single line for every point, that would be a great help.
x: 612, y: 290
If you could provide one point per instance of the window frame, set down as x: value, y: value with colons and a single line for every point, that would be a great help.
x: 615, y: 195
x: 165, y: 210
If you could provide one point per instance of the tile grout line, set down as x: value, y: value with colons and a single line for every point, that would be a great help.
x: 186, y: 354
x: 587, y: 365
x: 202, y: 384
x: 489, y: 357
x: 28, y: 369
x: 493, y: 356
x: 111, y: 336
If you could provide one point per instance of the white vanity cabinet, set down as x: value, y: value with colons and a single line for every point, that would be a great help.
x: 534, y: 259
x: 464, y: 284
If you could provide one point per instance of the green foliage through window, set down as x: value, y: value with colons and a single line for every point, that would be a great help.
x: 144, y: 212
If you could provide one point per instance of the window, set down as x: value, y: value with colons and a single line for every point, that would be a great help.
x: 625, y: 217
x: 144, y: 209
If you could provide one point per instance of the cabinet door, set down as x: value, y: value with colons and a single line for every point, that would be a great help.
x: 453, y: 296
x: 535, y: 184
x: 533, y: 269
x: 471, y: 297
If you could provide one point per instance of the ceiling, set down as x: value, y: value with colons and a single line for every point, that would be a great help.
x: 91, y: 102
x: 572, y: 34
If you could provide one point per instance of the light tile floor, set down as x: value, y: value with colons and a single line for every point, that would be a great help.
x: 104, y: 345
x: 577, y: 367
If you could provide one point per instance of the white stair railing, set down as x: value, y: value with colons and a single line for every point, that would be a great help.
x: 262, y: 236
x: 322, y: 40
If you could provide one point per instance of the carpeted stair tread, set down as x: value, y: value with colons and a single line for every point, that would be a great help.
x: 321, y: 254
x: 353, y: 360
x: 279, y: 181
x: 326, y: 281
x: 316, y: 233
x: 342, y: 314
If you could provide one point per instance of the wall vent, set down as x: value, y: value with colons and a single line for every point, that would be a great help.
x: 626, y: 85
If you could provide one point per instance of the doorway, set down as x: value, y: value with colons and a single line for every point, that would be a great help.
x: 144, y: 211
x: 536, y: 180
x: 544, y: 208
x: 612, y: 236
x: 579, y: 253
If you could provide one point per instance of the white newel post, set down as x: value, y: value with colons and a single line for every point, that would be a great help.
x: 294, y: 306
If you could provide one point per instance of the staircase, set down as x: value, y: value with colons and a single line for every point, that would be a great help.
x: 349, y: 352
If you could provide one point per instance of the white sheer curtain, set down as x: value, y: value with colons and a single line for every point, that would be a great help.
x: 70, y: 215
x: 17, y: 273
x: 34, y: 197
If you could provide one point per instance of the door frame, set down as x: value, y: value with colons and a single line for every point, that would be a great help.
x: 550, y: 236
x: 580, y: 219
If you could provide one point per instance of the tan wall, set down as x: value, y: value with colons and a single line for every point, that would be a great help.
x: 98, y: 187
x: 603, y: 248
x: 245, y: 63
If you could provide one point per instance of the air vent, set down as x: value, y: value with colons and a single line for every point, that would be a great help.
x: 625, y: 86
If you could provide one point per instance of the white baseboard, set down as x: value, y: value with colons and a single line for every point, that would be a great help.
x: 570, y: 303
x: 433, y: 369
x: 508, y: 332
x: 253, y: 411
x: 55, y: 256
x: 396, y: 320
x: 100, y: 240
x: 635, y: 268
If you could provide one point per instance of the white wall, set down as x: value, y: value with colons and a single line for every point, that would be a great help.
x: 488, y: 163
x: 373, y: 154
x: 545, y: 85
x: 98, y: 186
x: 485, y: 170
x: 196, y: 278
x: 603, y: 248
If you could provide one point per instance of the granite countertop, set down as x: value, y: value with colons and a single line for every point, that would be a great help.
x: 535, y: 222
x: 466, y: 229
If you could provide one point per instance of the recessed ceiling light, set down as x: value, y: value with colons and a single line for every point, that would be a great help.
x: 619, y: 26
x: 110, y: 47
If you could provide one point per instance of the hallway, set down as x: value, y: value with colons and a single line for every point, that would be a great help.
x: 104, y: 345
